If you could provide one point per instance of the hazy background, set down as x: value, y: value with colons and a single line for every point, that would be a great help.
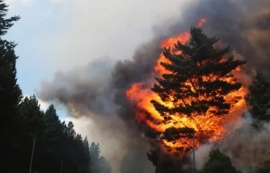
x: 59, y: 36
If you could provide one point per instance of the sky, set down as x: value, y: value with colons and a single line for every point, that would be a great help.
x: 60, y: 35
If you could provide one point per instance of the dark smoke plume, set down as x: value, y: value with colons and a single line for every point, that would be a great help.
x: 98, y: 90
x: 244, y: 24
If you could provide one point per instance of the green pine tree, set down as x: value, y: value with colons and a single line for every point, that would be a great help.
x: 86, y: 156
x: 10, y: 94
x: 53, y: 141
x: 98, y: 163
x: 196, y: 81
x: 218, y: 162
x: 31, y: 117
x: 70, y: 130
x: 259, y: 98
x: 86, y: 148
x: 32, y: 125
x: 94, y: 154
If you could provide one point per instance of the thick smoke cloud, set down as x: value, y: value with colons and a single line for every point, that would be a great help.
x: 96, y: 93
x: 241, y: 23
x: 247, y: 146
x: 98, y: 90
x: 83, y: 89
x: 90, y: 94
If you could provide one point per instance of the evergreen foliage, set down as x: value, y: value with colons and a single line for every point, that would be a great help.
x: 56, y: 142
x: 195, y: 81
x: 22, y: 122
x: 218, y: 162
x: 9, y: 89
x: 259, y: 98
x: 98, y: 163
x: 32, y: 124
x: 10, y: 93
x: 31, y: 118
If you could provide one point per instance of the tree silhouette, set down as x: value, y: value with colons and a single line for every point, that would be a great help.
x: 259, y: 98
x: 218, y: 162
x: 10, y: 93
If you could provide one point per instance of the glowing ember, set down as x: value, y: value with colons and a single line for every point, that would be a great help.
x: 207, y: 127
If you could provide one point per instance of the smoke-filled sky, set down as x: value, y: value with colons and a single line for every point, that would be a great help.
x: 67, y: 35
x: 57, y: 35
x: 73, y: 47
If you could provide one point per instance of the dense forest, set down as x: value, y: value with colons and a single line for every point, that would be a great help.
x: 33, y: 140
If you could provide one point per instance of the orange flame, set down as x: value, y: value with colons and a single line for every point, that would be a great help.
x: 207, y: 127
x: 201, y: 22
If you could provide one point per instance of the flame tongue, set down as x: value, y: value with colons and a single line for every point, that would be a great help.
x: 207, y: 127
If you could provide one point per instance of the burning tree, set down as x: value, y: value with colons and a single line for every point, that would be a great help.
x: 195, y: 86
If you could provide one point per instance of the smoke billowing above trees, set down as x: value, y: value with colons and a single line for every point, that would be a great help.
x: 98, y: 90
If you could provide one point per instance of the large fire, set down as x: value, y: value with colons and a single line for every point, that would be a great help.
x: 207, y: 127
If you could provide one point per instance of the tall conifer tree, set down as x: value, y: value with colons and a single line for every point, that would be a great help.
x: 195, y: 81
x: 259, y: 98
x: 10, y: 93
x: 218, y: 162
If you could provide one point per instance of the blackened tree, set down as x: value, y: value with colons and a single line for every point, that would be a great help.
x: 259, y: 98
x: 198, y: 77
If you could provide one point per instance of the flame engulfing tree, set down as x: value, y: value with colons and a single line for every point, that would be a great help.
x: 197, y: 86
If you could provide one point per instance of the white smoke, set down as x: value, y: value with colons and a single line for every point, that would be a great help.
x: 247, y: 146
